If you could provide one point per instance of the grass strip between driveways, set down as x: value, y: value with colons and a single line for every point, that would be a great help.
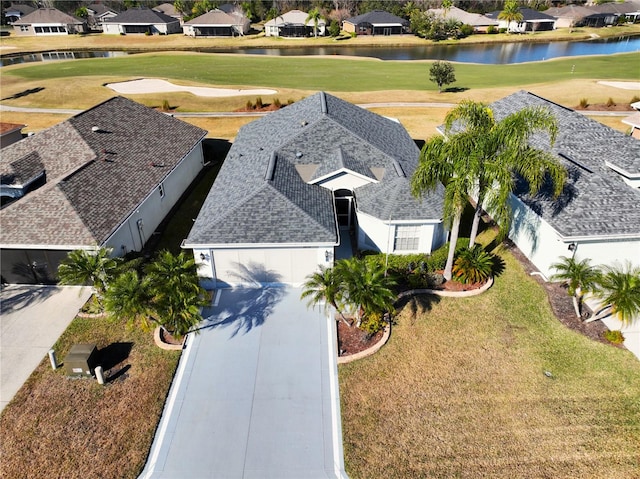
x: 75, y: 428
x: 460, y: 391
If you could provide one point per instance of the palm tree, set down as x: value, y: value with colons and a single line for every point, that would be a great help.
x: 619, y: 291
x: 499, y: 149
x: 176, y: 294
x: 324, y: 286
x: 95, y: 268
x: 441, y: 161
x: 314, y: 16
x: 511, y: 13
x: 128, y: 298
x: 580, y: 277
x: 366, y: 287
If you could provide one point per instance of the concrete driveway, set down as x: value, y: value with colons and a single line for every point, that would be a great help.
x: 255, y: 395
x: 32, y: 318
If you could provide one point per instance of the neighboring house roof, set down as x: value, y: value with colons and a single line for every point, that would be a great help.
x: 378, y: 17
x: 596, y: 201
x: 18, y: 9
x: 574, y: 12
x: 6, y: 128
x: 168, y: 9
x: 98, y: 10
x: 230, y: 8
x: 615, y: 8
x: 100, y: 165
x: 267, y: 191
x: 142, y: 15
x: 528, y: 15
x: 467, y: 18
x: 48, y: 15
x: 293, y: 17
x: 217, y: 17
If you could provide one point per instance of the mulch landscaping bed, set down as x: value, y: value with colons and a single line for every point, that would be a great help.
x: 605, y: 107
x: 561, y: 303
x: 352, y: 340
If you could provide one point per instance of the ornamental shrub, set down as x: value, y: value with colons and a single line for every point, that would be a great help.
x: 472, y: 265
x: 614, y: 337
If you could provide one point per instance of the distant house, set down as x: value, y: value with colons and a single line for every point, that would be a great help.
x: 607, y: 14
x: 98, y: 13
x: 301, y: 184
x: 377, y: 22
x: 569, y: 16
x: 480, y: 23
x: 15, y: 12
x: 105, y: 177
x: 532, y: 21
x: 141, y: 20
x: 10, y: 133
x: 217, y: 23
x: 49, y: 21
x: 169, y: 10
x: 293, y: 24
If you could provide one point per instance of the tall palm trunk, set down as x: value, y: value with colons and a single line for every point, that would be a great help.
x: 477, y: 214
x: 453, y: 240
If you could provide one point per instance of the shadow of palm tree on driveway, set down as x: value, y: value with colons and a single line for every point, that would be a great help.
x: 247, y: 307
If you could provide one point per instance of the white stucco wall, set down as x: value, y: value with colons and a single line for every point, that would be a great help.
x: 260, y: 265
x: 375, y: 234
x: 154, y: 208
x: 544, y: 246
x: 111, y: 28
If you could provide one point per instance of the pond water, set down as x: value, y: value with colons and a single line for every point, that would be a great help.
x: 493, y: 53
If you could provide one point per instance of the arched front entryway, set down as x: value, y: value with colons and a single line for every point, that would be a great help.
x: 347, y: 222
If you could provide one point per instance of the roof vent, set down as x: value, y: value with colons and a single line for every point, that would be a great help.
x: 298, y: 154
x: 399, y: 171
x: 323, y: 103
x: 95, y: 129
x: 271, y: 168
x: 304, y: 123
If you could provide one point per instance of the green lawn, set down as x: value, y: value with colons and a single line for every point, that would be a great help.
x: 328, y: 73
x: 460, y: 391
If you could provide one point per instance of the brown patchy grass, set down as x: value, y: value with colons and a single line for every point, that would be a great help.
x: 460, y: 391
x: 76, y: 428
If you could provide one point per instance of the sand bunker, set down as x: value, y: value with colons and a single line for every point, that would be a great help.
x: 150, y: 85
x: 625, y: 85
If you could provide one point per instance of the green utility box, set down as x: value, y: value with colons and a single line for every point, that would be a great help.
x: 81, y: 360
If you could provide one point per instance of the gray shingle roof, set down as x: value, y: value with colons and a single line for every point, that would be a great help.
x: 528, y: 15
x: 596, y: 200
x: 320, y: 131
x: 22, y: 170
x: 141, y: 15
x: 377, y: 17
x: 48, y: 15
x: 95, y: 179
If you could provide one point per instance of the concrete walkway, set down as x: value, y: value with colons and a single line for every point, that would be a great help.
x: 255, y: 395
x: 32, y: 318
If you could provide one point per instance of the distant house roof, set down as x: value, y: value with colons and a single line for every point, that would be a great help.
x: 268, y: 189
x: 6, y: 128
x: 293, y: 17
x: 378, y: 17
x: 168, y: 9
x: 48, y: 15
x: 574, y: 12
x: 217, y: 17
x: 615, y: 8
x: 528, y: 15
x: 596, y: 201
x: 98, y: 10
x: 142, y: 15
x: 467, y: 18
x: 17, y: 9
x: 99, y: 165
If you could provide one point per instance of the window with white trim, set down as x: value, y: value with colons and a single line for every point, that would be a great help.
x: 407, y: 238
